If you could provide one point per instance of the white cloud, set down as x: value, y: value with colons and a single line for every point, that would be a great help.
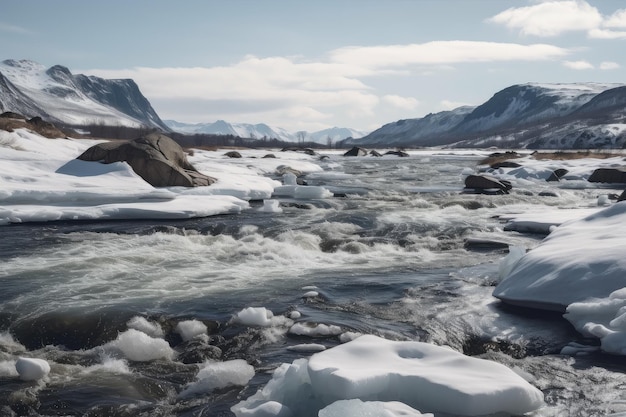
x: 550, y: 18
x: 6, y: 27
x: 442, y: 52
x: 607, y: 34
x: 616, y: 20
x: 607, y: 65
x: 407, y: 103
x: 578, y: 65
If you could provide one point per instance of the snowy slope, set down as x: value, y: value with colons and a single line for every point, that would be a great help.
x: 28, y: 88
x: 579, y: 115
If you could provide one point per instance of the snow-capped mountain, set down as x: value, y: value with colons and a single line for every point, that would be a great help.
x: 261, y: 130
x: 57, y: 95
x: 534, y: 115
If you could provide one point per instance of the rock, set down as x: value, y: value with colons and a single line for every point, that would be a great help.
x: 11, y: 115
x: 505, y: 164
x: 547, y: 194
x: 198, y: 351
x: 486, y: 182
x: 609, y: 175
x: 154, y: 157
x: 401, y: 154
x: 356, y: 151
x: 622, y: 196
x: 269, y: 155
x: 374, y: 152
x: 484, y: 244
x: 557, y: 174
x: 233, y: 154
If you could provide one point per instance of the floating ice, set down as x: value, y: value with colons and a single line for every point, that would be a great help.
x: 307, y: 347
x: 255, y: 316
x: 32, y: 369
x: 271, y: 206
x: 138, y: 346
x: 215, y: 375
x: 143, y: 325
x: 419, y: 375
x: 310, y: 294
x: 315, y: 329
x: 190, y: 329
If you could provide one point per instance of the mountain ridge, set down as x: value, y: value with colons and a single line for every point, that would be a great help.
x: 54, y: 93
x: 575, y: 115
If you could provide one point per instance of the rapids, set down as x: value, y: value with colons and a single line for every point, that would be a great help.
x: 387, y: 256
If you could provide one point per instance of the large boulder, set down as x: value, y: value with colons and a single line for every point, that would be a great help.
x: 609, y: 175
x: 484, y: 183
x: 154, y: 157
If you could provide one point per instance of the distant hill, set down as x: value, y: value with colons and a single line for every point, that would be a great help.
x: 59, y: 96
x: 261, y: 130
x: 573, y: 116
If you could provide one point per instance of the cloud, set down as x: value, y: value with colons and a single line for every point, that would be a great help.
x: 578, y: 65
x: 607, y: 65
x: 9, y: 28
x: 442, y: 53
x: 407, y: 103
x: 616, y: 20
x: 606, y: 34
x: 550, y: 18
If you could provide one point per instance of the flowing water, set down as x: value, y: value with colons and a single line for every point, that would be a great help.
x: 386, y: 256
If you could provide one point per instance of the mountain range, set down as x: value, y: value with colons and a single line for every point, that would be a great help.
x: 261, y: 130
x: 533, y: 115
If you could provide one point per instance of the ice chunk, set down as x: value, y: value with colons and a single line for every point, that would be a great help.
x: 271, y: 206
x: 508, y: 262
x: 215, y: 375
x: 138, y: 346
x: 32, y: 369
x: 315, y: 329
x: 190, y: 329
x: 358, y: 408
x: 418, y: 375
x: 423, y: 376
x: 255, y: 316
x: 143, y: 325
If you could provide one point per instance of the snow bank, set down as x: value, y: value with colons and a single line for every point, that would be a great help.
x: 578, y: 260
x: 418, y: 375
x: 42, y: 181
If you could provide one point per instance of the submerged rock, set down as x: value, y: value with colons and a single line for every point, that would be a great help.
x: 156, y: 158
x: 609, y: 175
x: 486, y: 182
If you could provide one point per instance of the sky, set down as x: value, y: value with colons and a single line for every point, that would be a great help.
x: 311, y: 65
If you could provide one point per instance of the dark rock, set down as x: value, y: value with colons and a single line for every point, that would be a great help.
x: 374, y: 152
x: 622, y: 196
x: 233, y: 154
x: 198, y: 351
x: 548, y: 194
x: 484, y: 244
x: 557, y: 174
x: 356, y: 151
x: 609, y: 175
x: 12, y: 115
x: 309, y: 151
x: 269, y: 155
x: 486, y: 182
x: 401, y: 154
x: 156, y: 158
x: 505, y: 164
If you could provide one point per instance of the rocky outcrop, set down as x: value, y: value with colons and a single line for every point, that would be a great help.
x: 609, y: 175
x: 484, y: 183
x: 557, y: 174
x: 156, y: 158
x: 401, y: 154
x: 356, y: 151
